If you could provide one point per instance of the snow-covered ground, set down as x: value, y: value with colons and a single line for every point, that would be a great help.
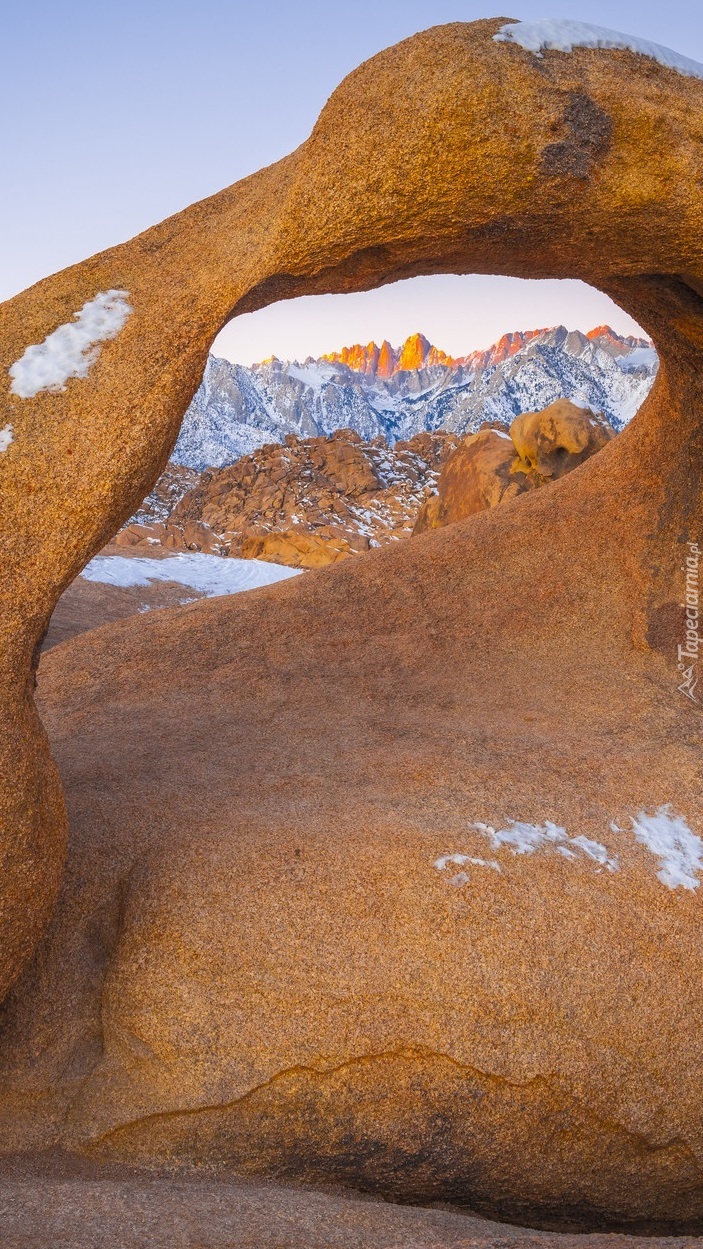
x: 208, y: 574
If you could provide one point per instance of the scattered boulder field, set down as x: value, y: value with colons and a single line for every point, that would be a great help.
x: 306, y: 503
x: 314, y: 501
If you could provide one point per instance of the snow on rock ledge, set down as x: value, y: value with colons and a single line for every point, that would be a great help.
x: 524, y: 838
x: 665, y: 834
x: 73, y: 348
x: 462, y: 860
x: 563, y: 35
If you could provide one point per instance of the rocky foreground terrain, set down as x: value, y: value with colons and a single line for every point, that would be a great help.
x: 58, y: 1202
x: 313, y: 502
x: 123, y: 582
x: 400, y: 392
x: 309, y: 503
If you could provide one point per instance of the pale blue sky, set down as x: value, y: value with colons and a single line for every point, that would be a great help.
x: 113, y: 116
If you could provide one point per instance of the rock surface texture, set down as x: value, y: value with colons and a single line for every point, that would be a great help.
x: 54, y: 1202
x: 388, y: 875
x: 491, y: 466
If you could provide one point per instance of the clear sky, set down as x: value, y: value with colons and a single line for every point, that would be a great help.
x: 114, y: 116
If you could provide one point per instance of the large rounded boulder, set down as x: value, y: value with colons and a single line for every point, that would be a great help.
x: 558, y: 439
x: 482, y: 472
x: 493, y: 465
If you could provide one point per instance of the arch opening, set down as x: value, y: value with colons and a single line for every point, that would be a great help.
x: 329, y: 426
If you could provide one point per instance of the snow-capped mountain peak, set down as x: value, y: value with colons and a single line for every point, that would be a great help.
x: 396, y: 392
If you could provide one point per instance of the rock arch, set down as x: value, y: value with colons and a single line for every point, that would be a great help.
x: 527, y: 675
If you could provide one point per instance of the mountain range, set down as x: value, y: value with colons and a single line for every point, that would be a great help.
x: 399, y: 392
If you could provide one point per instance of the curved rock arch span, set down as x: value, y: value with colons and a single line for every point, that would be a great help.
x: 549, y: 627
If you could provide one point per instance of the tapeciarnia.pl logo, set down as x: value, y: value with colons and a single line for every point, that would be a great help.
x: 688, y: 654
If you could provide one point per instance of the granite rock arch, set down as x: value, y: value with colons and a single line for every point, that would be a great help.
x: 499, y: 162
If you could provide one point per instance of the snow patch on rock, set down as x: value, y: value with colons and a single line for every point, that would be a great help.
x: 209, y: 574
x: 5, y: 437
x: 73, y: 348
x: 563, y: 35
x: 523, y: 838
x: 461, y: 860
x: 668, y: 837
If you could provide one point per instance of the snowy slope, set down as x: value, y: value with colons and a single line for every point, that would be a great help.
x: 238, y: 409
x: 208, y: 574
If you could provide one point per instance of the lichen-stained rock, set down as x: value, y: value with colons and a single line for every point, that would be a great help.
x: 390, y: 874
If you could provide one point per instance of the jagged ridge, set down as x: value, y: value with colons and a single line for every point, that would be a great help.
x: 399, y: 392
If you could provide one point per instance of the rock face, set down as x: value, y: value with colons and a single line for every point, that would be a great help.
x: 479, y: 474
x: 388, y: 875
x: 491, y: 465
x: 75, y: 1205
x: 308, y: 503
x: 553, y: 442
x: 396, y: 393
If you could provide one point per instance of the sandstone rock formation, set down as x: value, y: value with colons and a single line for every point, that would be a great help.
x: 491, y: 465
x: 389, y: 875
x: 308, y: 503
x: 168, y: 536
x: 479, y: 474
